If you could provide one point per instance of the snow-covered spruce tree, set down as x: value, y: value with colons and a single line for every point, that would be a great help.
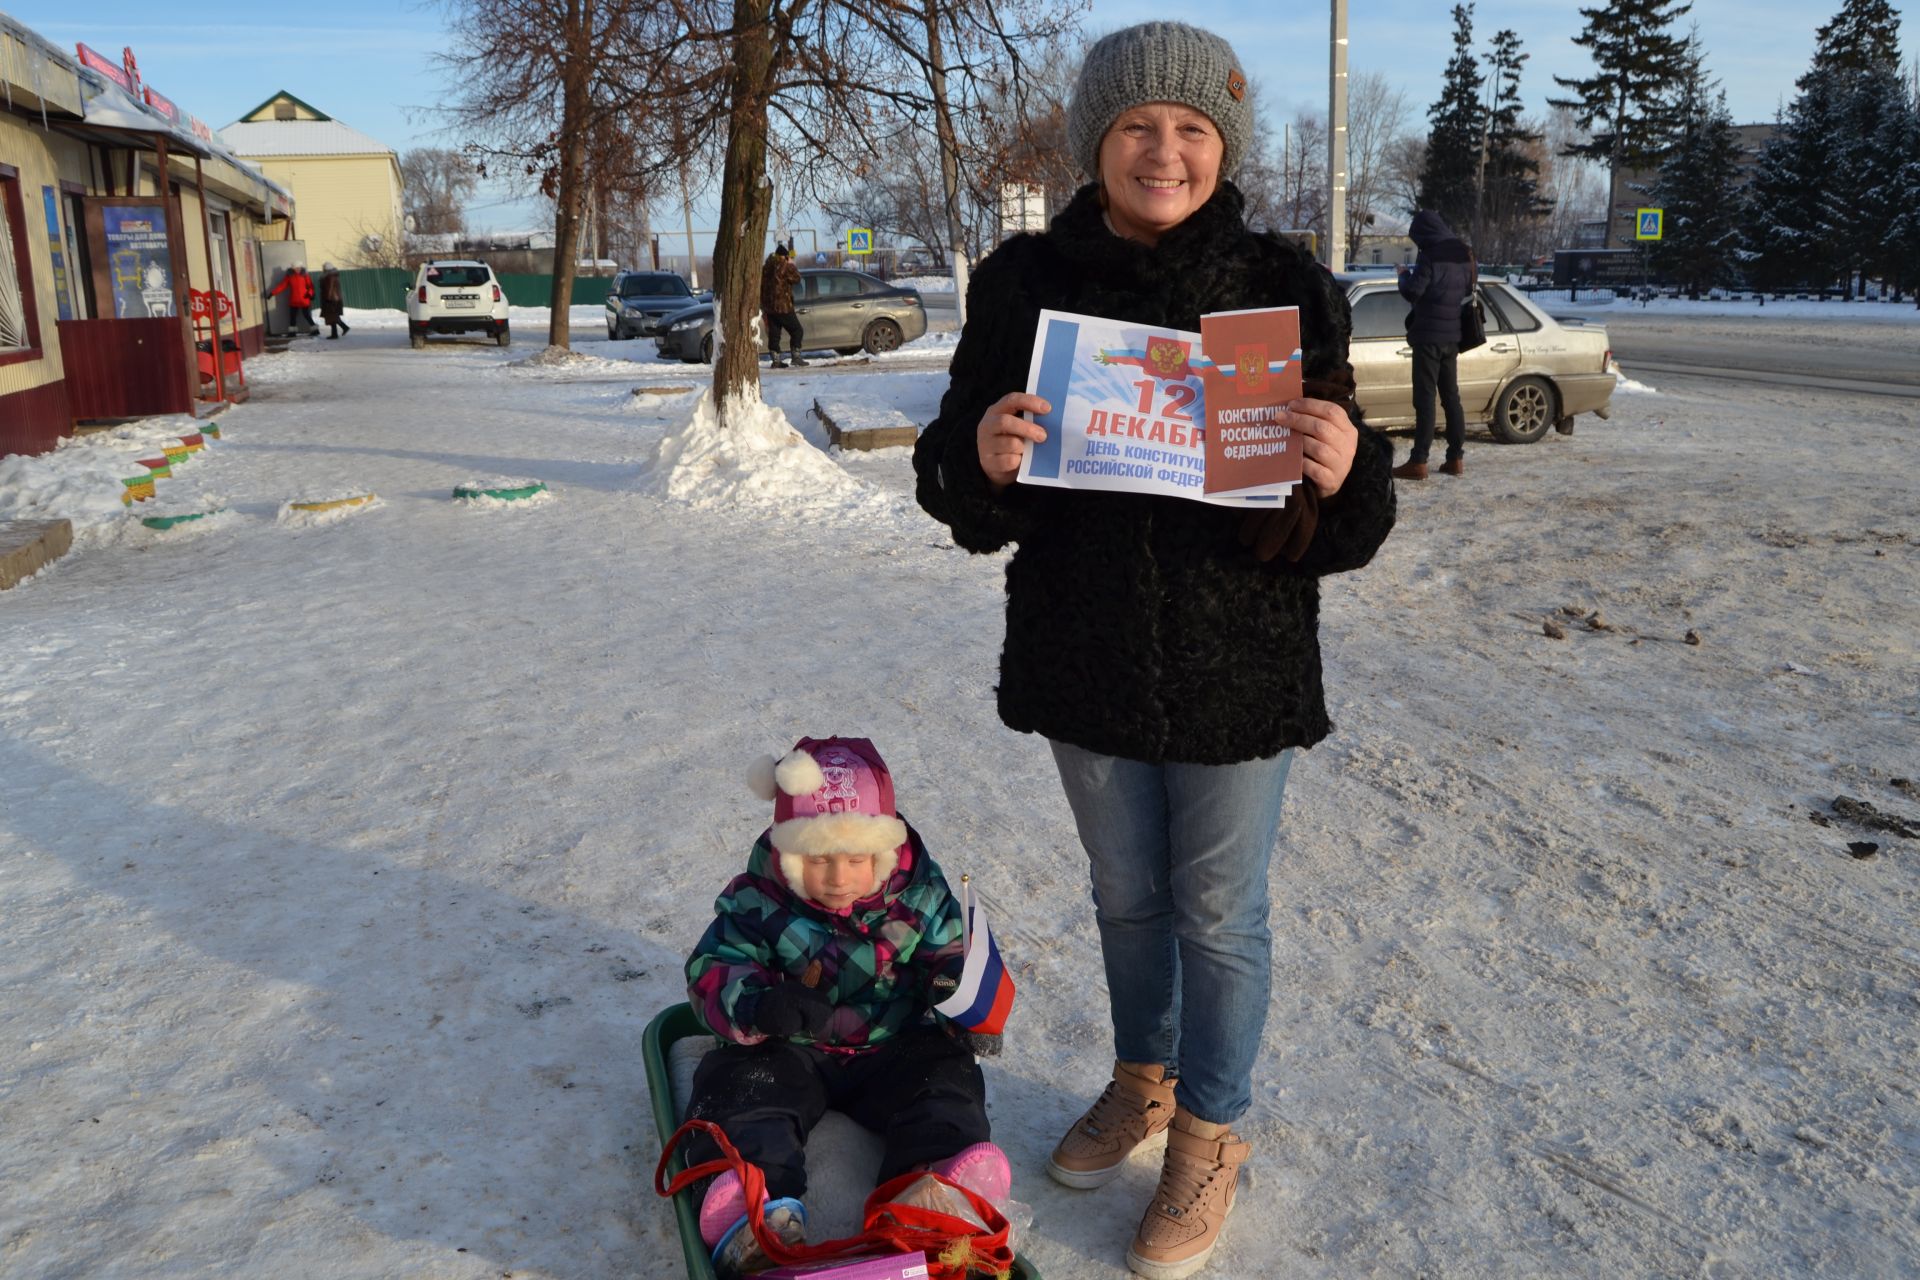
x: 1902, y: 247
x: 1822, y: 206
x: 1699, y: 187
x: 1453, y: 144
x: 1511, y: 205
x: 1628, y: 104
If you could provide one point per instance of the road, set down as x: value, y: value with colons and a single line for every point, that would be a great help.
x: 1879, y: 363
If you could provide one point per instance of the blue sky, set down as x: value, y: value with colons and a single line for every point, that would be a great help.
x: 371, y: 64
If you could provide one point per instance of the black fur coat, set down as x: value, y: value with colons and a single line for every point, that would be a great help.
x: 1139, y: 626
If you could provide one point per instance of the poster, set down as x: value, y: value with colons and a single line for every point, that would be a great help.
x: 56, y: 248
x: 139, y: 262
x: 1134, y: 407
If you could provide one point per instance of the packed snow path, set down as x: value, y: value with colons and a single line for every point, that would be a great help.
x: 343, y: 865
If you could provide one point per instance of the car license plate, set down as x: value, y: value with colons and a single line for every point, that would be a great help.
x: 467, y: 303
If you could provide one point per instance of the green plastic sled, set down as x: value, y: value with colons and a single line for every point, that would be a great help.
x: 674, y: 1023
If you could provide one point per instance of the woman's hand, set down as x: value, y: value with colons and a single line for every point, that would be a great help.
x: 1329, y: 442
x: 1003, y: 436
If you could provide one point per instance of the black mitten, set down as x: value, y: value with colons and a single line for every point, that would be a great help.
x: 790, y: 1009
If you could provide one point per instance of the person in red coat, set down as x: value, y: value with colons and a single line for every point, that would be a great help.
x: 298, y: 286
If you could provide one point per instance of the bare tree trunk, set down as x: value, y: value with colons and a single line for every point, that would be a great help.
x: 574, y: 106
x: 746, y: 203
x: 949, y: 160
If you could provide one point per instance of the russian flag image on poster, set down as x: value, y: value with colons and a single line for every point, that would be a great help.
x: 985, y: 994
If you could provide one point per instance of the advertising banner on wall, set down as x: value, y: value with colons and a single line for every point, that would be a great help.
x: 56, y: 247
x: 139, y: 261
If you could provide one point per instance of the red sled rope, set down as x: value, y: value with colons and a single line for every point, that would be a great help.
x: 956, y: 1247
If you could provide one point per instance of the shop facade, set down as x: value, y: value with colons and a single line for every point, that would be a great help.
x: 131, y: 272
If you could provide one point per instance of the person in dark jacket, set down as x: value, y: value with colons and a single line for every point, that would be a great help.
x: 778, y: 275
x: 333, y: 302
x: 1441, y: 280
x: 1168, y: 649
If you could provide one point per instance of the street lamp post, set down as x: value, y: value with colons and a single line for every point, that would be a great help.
x: 1337, y: 143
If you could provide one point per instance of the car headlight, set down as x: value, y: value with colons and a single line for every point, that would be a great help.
x: 681, y: 326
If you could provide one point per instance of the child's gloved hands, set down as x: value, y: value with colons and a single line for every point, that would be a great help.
x: 792, y: 1008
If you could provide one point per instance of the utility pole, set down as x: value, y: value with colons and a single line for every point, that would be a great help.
x: 1337, y: 144
x: 686, y: 207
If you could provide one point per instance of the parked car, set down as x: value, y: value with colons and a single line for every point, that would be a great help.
x: 1533, y: 373
x: 840, y: 310
x: 458, y: 295
x: 638, y: 300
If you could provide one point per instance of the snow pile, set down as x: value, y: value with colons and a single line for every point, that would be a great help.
x: 554, y: 358
x: 80, y: 479
x: 295, y: 517
x: 756, y: 458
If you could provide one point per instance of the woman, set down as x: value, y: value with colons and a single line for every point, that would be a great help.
x: 1167, y: 648
x: 1439, y: 283
x: 333, y: 303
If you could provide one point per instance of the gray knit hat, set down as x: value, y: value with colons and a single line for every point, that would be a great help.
x: 1159, y: 62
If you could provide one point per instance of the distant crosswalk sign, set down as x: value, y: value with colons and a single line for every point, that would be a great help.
x: 1649, y: 228
x: 860, y: 240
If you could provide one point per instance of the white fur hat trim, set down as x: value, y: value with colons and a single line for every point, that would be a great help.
x: 839, y: 833
x: 799, y: 774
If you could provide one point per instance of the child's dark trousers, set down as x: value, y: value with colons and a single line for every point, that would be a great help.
x: 921, y: 1091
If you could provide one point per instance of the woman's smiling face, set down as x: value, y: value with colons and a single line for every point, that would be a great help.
x: 1158, y: 163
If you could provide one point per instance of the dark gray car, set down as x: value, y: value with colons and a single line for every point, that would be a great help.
x: 843, y: 311
x: 638, y: 300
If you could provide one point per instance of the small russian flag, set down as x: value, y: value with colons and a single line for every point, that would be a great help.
x: 985, y: 994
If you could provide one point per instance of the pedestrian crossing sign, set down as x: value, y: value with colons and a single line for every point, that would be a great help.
x: 860, y: 240
x: 1649, y: 227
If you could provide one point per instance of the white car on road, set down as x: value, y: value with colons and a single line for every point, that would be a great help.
x: 458, y: 295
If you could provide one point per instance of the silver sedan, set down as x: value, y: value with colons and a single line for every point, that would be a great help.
x: 1533, y: 373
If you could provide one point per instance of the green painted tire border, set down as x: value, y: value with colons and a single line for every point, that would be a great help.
x: 168, y: 522
x: 503, y: 495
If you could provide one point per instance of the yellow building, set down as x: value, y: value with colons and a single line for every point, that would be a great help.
x: 130, y: 261
x: 347, y: 185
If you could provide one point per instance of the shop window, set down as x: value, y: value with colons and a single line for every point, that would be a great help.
x: 19, y: 323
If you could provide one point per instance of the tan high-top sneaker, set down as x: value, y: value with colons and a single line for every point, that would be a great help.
x: 1191, y: 1204
x: 1137, y: 1106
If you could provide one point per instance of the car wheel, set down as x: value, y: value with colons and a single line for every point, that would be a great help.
x: 882, y: 336
x: 706, y: 349
x: 504, y: 337
x: 613, y: 334
x: 1524, y: 411
x: 419, y: 340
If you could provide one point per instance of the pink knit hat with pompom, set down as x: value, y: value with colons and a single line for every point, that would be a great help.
x: 831, y: 795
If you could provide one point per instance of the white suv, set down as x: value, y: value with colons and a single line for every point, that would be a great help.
x: 456, y: 296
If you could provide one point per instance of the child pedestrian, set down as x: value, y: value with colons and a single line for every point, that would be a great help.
x: 819, y: 975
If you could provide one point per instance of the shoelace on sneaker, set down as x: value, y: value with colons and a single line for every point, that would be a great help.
x: 1113, y: 1109
x: 1184, y: 1181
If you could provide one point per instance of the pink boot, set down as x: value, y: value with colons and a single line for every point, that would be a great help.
x: 726, y: 1204
x: 981, y: 1168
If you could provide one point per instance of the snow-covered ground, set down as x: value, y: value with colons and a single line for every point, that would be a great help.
x: 343, y: 863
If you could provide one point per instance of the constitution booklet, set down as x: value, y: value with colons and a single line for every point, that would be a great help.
x: 1143, y: 409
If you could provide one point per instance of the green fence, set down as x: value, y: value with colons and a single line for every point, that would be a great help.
x: 377, y: 288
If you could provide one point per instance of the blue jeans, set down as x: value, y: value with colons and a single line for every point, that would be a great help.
x: 1179, y: 856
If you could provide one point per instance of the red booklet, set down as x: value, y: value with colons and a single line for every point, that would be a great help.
x: 1252, y: 371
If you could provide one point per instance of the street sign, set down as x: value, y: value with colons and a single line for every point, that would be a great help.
x: 1648, y: 224
x: 860, y: 240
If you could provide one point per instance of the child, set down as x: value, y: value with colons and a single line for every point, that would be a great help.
x: 819, y: 974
